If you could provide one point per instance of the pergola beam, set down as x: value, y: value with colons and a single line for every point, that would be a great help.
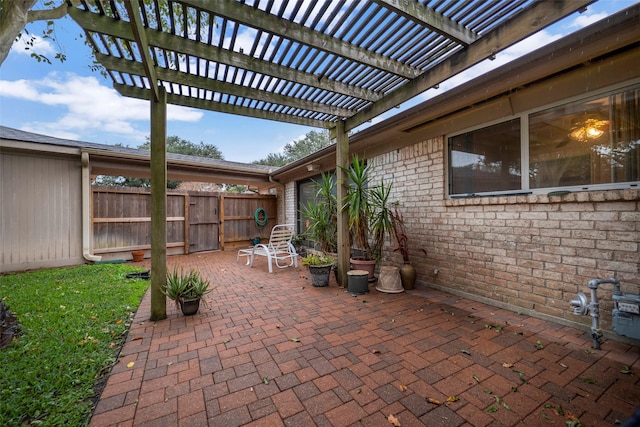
x: 198, y: 83
x: 168, y: 42
x: 133, y: 9
x: 255, y: 18
x: 436, y: 21
x: 205, y: 104
x: 537, y: 16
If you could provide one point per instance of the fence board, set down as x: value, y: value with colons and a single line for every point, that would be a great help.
x: 196, y: 221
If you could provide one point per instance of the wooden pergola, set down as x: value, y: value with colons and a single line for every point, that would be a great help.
x: 332, y: 64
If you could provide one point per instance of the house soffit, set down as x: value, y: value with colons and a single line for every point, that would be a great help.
x: 307, y: 62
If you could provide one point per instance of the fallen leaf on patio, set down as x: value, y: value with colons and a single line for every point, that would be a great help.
x: 375, y: 351
x: 433, y: 401
x: 465, y: 352
x: 301, y: 287
x: 130, y: 364
x: 625, y: 370
x: 295, y: 339
x: 563, y: 365
x: 573, y: 421
x: 506, y: 406
x: 393, y: 420
x: 492, y: 409
x: 136, y: 338
x: 265, y: 380
x: 558, y: 410
x: 453, y: 399
x: 358, y: 391
x: 393, y: 320
x: 475, y: 377
x: 403, y: 387
x: 507, y: 365
x: 589, y: 380
x: 278, y: 326
x: 539, y: 345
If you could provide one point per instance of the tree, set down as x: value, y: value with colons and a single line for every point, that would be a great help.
x: 175, y: 145
x: 16, y: 14
x: 297, y: 149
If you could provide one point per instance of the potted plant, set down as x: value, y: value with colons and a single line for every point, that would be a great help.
x: 187, y: 290
x: 321, y: 215
x: 407, y: 271
x: 320, y: 266
x: 368, y: 214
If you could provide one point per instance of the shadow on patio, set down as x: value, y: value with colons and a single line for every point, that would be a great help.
x: 273, y: 350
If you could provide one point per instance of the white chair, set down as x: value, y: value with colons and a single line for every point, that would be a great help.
x: 279, y: 249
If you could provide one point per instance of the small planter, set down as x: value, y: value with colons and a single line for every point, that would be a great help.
x: 137, y: 256
x: 189, y: 307
x: 357, y: 282
x: 320, y: 275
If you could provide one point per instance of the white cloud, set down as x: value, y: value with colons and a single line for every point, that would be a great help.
x: 28, y: 44
x: 86, y: 106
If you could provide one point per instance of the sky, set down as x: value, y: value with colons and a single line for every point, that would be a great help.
x: 69, y: 100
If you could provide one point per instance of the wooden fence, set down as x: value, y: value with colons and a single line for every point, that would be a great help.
x: 196, y: 221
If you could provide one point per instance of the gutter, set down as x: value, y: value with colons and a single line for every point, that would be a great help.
x: 86, y: 210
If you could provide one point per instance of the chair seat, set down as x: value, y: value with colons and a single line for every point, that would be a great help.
x: 278, y: 249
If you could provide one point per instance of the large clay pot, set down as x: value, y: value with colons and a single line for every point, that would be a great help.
x: 408, y: 276
x: 367, y: 265
x: 389, y: 280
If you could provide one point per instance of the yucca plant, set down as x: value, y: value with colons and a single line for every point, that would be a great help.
x: 366, y: 206
x: 181, y: 286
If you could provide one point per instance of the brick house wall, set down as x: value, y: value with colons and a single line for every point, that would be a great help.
x: 528, y: 253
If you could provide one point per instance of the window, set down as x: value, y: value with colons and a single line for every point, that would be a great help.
x: 486, y: 159
x: 591, y: 143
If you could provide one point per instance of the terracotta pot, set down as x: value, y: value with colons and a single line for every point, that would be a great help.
x: 367, y: 265
x: 408, y: 276
x: 137, y: 256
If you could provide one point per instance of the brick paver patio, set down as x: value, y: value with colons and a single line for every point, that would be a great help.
x: 272, y: 350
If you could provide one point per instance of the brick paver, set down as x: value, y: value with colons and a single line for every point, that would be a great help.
x: 272, y: 350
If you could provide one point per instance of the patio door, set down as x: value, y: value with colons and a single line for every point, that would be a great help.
x: 204, y: 223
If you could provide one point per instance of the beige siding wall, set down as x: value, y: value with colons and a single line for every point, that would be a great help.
x: 40, y: 202
x: 528, y: 253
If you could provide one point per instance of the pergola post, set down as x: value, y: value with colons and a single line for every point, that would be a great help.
x: 158, y: 204
x: 342, y: 161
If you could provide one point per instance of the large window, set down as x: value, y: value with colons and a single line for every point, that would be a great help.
x: 486, y: 159
x: 587, y: 144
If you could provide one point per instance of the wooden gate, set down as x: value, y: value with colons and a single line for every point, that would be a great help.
x: 204, y: 222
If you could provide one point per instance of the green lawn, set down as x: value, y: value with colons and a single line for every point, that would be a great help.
x: 73, y: 322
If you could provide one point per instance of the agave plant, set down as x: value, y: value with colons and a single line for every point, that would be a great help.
x: 182, y: 286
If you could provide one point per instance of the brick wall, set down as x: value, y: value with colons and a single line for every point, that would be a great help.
x: 526, y: 253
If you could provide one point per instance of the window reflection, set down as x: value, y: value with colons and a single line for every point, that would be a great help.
x: 586, y: 143
x: 486, y: 159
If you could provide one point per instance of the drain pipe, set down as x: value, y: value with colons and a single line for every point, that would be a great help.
x: 581, y: 307
x: 86, y: 210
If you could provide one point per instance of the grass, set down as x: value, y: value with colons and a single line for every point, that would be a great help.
x: 73, y: 322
